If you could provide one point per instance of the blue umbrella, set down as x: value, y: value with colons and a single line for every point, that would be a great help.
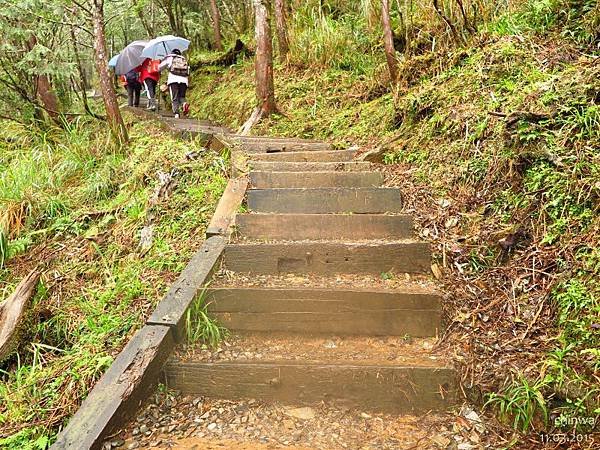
x: 160, y: 47
x: 113, y: 61
x: 130, y: 57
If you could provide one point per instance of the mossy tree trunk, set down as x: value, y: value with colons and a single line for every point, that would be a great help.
x: 390, y: 51
x: 216, y: 20
x: 265, y: 86
x: 113, y: 113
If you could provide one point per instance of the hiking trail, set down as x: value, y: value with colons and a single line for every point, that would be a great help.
x: 332, y: 312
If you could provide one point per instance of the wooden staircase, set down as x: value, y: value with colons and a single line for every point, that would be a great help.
x: 317, y: 216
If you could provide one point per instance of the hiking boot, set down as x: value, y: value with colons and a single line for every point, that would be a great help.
x: 186, y: 108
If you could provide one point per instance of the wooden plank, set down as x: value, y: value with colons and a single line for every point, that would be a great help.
x: 348, y: 166
x: 120, y: 391
x: 172, y: 308
x: 325, y: 200
x: 228, y: 205
x: 329, y: 257
x: 260, y: 144
x: 379, y: 388
x: 323, y: 226
x: 265, y: 180
x: 319, y: 311
x: 314, y: 156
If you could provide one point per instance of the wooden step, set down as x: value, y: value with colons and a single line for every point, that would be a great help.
x: 348, y: 166
x: 329, y: 257
x: 325, y: 200
x: 314, y: 156
x: 365, y: 374
x: 323, y: 226
x: 408, y: 311
x: 265, y: 180
x: 260, y: 144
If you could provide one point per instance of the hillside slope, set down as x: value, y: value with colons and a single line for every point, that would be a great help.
x: 496, y: 145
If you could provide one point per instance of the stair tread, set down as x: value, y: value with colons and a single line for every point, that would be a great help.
x: 308, y: 156
x: 271, y: 348
x: 342, y: 282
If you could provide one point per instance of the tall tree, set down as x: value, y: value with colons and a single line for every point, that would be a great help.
x: 388, y: 37
x: 263, y: 66
x: 282, y: 32
x: 216, y: 20
x: 113, y: 113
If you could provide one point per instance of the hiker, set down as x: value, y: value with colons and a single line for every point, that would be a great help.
x: 149, y: 76
x: 134, y: 87
x: 179, y: 71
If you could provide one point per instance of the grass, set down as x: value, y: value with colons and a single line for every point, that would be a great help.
x: 200, y: 327
x: 74, y: 205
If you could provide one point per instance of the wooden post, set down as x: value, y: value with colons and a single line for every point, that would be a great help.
x: 390, y: 51
x: 216, y: 18
x: 282, y: 34
x: 113, y: 113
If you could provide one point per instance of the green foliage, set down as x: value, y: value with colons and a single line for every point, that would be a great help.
x: 200, y: 327
x: 521, y: 402
x: 84, y: 197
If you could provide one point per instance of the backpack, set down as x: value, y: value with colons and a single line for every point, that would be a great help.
x: 132, y: 77
x: 180, y: 66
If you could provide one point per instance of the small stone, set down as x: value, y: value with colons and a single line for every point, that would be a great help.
x: 143, y: 428
x: 244, y: 419
x: 117, y: 443
x: 212, y: 426
x: 465, y: 446
x: 221, y: 410
x: 135, y: 431
x: 365, y: 415
x: 133, y: 445
x: 441, y: 441
x: 305, y: 413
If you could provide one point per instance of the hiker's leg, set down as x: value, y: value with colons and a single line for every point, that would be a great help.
x: 174, y: 90
x: 151, y: 90
x: 184, y: 104
x: 130, y: 90
x: 182, y: 91
x: 138, y: 92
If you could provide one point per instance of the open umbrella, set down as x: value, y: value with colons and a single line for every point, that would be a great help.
x: 113, y: 61
x: 130, y: 57
x: 161, y: 46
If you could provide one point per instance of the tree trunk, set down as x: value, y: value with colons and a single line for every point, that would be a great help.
x: 388, y: 37
x: 282, y: 33
x: 265, y: 87
x: 44, y: 91
x: 113, y: 114
x: 216, y: 19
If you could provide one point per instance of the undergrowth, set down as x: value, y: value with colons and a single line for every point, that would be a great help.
x: 495, y: 141
x: 74, y: 206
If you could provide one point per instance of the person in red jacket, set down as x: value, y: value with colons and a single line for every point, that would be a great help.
x: 149, y: 76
